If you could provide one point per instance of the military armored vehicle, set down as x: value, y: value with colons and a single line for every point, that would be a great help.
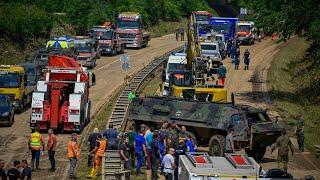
x: 210, y: 122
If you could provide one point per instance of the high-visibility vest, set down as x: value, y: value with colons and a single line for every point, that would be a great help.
x: 35, y: 142
x: 73, y: 145
x: 102, y: 148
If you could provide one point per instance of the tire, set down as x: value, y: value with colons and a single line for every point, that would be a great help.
x: 257, y: 153
x: 217, y: 145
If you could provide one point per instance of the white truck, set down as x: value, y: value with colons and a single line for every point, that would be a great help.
x: 177, y: 61
x: 210, y: 49
x: 201, y: 166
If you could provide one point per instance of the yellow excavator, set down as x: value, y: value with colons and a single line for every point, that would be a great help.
x: 190, y: 83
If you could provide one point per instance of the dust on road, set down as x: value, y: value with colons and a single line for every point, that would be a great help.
x: 13, y: 140
x: 250, y: 88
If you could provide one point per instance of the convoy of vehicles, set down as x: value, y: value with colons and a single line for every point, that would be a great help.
x: 6, y: 111
x: 129, y: 28
x: 86, y: 51
x: 61, y: 100
x: 109, y: 41
x: 245, y: 32
x: 18, y: 82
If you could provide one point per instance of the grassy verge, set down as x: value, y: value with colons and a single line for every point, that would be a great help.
x: 285, y: 83
x: 152, y: 87
x: 99, y: 121
x: 164, y: 28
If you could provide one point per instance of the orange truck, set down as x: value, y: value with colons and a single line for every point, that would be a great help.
x: 245, y: 32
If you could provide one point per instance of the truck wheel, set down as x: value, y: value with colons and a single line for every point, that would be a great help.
x: 217, y: 145
x: 257, y: 153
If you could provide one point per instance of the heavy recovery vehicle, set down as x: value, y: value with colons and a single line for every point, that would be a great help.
x: 129, y: 28
x: 61, y: 100
x: 86, y: 51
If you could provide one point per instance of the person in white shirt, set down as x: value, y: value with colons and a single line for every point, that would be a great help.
x: 168, y: 164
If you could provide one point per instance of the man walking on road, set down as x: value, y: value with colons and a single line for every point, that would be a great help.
x: 51, y: 147
x: 222, y: 71
x: 283, y: 144
x: 299, y: 131
x: 230, y: 142
x: 73, y: 155
x: 35, y: 143
x: 246, y: 59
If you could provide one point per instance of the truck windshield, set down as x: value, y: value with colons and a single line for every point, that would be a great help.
x: 9, y: 80
x: 221, y: 28
x: 83, y: 47
x: 176, y: 66
x: 208, y: 47
x: 204, y: 28
x: 104, y: 35
x: 244, y: 28
x: 128, y: 24
x: 183, y: 79
x: 202, y: 17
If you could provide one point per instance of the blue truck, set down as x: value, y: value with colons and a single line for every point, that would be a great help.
x: 224, y: 25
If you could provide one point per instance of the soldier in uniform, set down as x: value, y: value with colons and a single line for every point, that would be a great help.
x: 299, y: 131
x: 283, y: 144
x: 173, y: 135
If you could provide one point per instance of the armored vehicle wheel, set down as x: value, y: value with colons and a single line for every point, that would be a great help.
x: 257, y: 153
x: 217, y: 145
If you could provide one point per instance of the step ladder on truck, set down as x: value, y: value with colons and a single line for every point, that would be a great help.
x: 199, y: 165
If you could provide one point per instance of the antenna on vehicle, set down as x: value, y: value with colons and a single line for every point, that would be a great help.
x: 232, y: 99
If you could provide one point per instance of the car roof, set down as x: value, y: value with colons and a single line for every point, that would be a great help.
x: 182, y: 59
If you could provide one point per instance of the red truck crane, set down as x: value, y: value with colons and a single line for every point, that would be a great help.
x: 61, y: 100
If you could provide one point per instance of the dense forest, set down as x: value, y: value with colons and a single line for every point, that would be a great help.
x: 21, y: 20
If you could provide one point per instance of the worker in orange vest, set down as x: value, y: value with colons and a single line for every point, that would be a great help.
x: 35, y: 143
x: 98, y: 153
x: 73, y: 155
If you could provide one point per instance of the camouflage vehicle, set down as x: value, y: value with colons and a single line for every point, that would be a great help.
x: 209, y: 122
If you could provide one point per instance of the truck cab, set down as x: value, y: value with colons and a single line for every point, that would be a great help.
x: 86, y: 52
x: 129, y: 28
x: 109, y: 41
x: 245, y: 32
x: 224, y: 25
x: 202, y: 17
x: 17, y: 82
x: 177, y: 61
x: 211, y: 50
x: 6, y: 111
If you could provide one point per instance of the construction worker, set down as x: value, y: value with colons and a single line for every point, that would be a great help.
x: 92, y: 140
x: 73, y: 155
x: 35, y: 143
x: 222, y: 71
x: 51, y: 147
x: 299, y: 131
x: 283, y: 144
x: 98, y: 153
x: 246, y: 59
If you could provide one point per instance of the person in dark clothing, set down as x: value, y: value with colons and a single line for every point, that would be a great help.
x: 246, y: 59
x: 155, y: 155
x: 132, y: 135
x: 14, y: 173
x: 51, y: 147
x: 111, y: 135
x: 3, y: 174
x: 229, y: 46
x: 125, y: 156
x: 180, y: 150
x: 177, y: 34
x: 92, y: 144
x: 236, y: 59
x: 26, y: 172
x: 182, y: 34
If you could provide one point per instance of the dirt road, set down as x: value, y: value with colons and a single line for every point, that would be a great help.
x: 250, y: 87
x: 13, y: 140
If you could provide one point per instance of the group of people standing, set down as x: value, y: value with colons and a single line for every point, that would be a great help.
x: 147, y: 147
x: 180, y: 33
x: 233, y: 51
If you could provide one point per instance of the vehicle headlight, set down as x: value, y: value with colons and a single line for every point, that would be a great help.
x: 5, y: 114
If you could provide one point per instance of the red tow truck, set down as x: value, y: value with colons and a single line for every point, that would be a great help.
x: 61, y: 100
x: 129, y: 28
